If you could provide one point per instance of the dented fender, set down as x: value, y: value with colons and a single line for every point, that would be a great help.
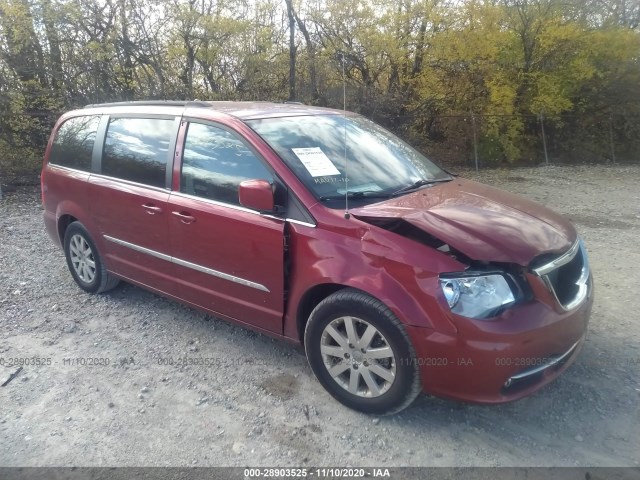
x: 399, y: 272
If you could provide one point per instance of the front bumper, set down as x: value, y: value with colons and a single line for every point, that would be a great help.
x: 504, y: 359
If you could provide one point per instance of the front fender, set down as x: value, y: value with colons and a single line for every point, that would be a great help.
x: 401, y: 273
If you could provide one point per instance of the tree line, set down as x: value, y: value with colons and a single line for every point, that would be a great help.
x: 407, y: 64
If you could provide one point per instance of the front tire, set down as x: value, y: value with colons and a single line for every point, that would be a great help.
x: 84, y: 261
x: 360, y: 353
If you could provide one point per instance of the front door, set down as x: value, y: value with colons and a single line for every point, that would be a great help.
x: 228, y: 259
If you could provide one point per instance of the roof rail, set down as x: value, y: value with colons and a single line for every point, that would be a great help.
x: 161, y: 103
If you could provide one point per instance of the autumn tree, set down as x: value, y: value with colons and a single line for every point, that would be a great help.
x: 438, y: 72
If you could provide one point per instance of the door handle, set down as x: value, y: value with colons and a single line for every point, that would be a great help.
x: 151, y: 209
x: 184, y: 217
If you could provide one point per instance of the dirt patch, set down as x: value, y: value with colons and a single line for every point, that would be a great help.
x: 282, y: 386
x: 599, y: 221
x: 514, y: 178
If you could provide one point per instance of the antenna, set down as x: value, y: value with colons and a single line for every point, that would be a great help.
x: 347, y: 215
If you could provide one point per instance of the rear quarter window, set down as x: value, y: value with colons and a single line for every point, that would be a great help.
x: 73, y: 144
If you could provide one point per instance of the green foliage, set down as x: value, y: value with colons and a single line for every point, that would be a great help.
x: 409, y: 65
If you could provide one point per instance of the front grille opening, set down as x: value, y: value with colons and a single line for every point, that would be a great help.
x: 564, y: 279
x: 566, y: 276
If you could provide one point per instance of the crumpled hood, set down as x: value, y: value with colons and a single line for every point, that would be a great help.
x: 482, y: 222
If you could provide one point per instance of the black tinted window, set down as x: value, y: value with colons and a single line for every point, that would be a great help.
x: 215, y: 162
x: 74, y: 141
x: 137, y: 149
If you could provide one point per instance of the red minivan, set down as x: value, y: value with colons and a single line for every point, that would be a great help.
x: 320, y: 227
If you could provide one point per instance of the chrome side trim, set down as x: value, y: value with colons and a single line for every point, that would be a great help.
x: 241, y: 209
x: 129, y: 182
x: 214, y: 202
x: 218, y: 274
x: 272, y: 217
x: 290, y: 220
x: 55, y: 166
x: 138, y: 248
x: 551, y: 363
x: 184, y: 263
x: 300, y: 222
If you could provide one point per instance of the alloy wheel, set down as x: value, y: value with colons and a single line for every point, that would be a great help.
x: 358, y: 357
x: 82, y: 258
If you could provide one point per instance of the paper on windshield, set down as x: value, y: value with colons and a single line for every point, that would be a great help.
x: 316, y: 162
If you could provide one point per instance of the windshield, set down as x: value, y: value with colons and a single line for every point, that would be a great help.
x: 379, y: 164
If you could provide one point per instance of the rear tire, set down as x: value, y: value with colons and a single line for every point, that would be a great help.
x: 84, y: 261
x: 360, y: 353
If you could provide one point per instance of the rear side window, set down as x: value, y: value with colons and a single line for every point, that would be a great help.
x: 214, y: 163
x: 137, y: 149
x: 73, y: 144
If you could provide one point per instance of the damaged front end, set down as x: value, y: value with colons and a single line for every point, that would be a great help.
x: 481, y: 289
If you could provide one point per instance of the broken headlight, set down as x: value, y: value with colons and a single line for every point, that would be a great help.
x: 476, y: 296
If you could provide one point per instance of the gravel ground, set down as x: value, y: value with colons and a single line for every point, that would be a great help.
x: 257, y: 403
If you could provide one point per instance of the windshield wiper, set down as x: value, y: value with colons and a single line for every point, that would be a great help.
x: 359, y: 194
x: 420, y: 183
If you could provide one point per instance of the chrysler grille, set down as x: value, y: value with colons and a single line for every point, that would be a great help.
x: 567, y: 276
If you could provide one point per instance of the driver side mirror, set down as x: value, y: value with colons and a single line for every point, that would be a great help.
x: 256, y: 195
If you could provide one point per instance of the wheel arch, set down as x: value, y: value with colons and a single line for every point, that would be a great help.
x: 317, y: 293
x: 384, y: 288
x: 309, y: 300
x: 68, y: 212
x: 63, y: 223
